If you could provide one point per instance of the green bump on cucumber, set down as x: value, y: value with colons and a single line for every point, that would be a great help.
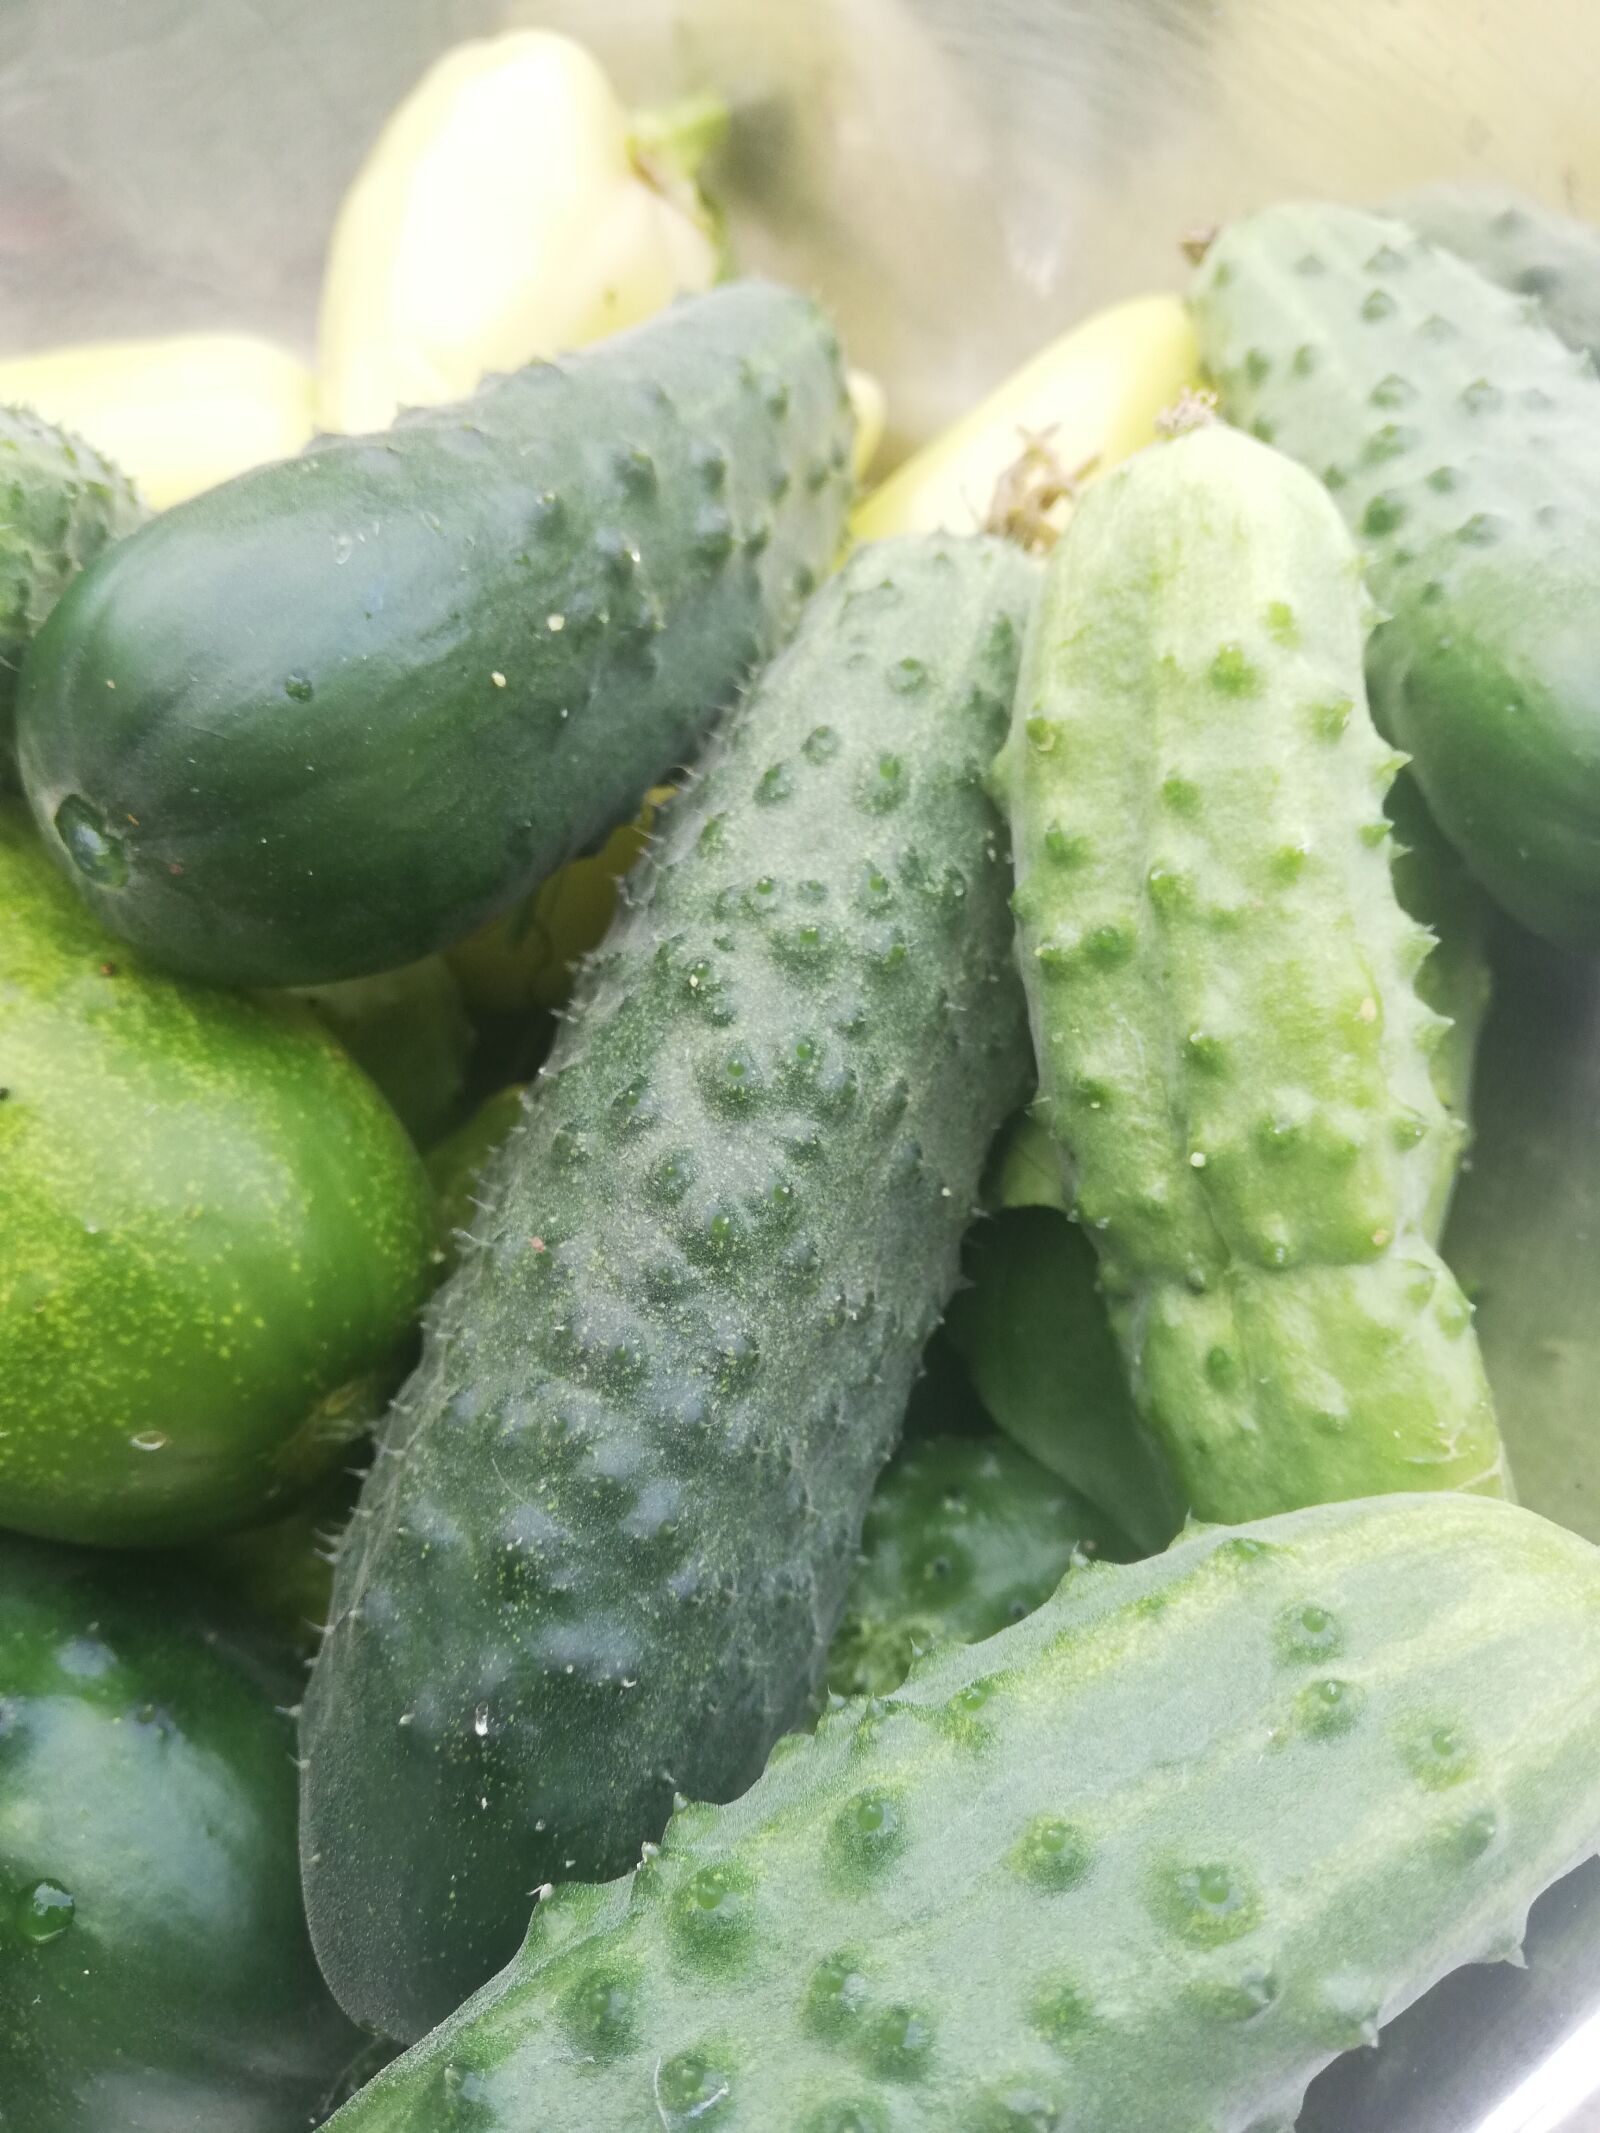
x: 1460, y: 438
x: 963, y: 1535
x: 1519, y: 243
x: 1147, y: 1860
x: 336, y: 713
x: 60, y: 504
x: 1222, y: 985
x: 613, y: 1519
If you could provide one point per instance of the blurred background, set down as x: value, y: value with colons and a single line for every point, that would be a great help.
x: 962, y: 177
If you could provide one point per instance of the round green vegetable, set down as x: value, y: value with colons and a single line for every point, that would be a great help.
x: 214, y: 1231
x: 157, y: 1976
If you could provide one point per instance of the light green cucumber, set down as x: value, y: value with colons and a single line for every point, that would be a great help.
x: 60, y: 504
x: 1142, y: 1863
x: 1521, y: 244
x: 1222, y: 985
x: 963, y: 1535
x: 615, y: 1514
x: 1461, y: 439
x: 1524, y: 1234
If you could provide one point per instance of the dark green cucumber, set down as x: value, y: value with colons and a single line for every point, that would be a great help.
x: 60, y: 503
x: 155, y: 1974
x: 613, y: 1519
x: 1461, y: 439
x: 1142, y: 1863
x: 963, y: 1535
x: 336, y: 713
x: 1523, y: 245
x: 1524, y: 1234
x: 1030, y: 1324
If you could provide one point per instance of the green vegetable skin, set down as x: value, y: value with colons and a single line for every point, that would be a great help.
x: 158, y: 1977
x: 336, y: 713
x: 1520, y: 244
x: 1461, y: 440
x: 1524, y: 1235
x: 60, y: 503
x: 409, y: 1030
x: 963, y: 1535
x: 613, y: 1522
x: 1031, y: 1328
x: 214, y: 1231
x: 1030, y: 1322
x: 1221, y: 984
x: 1144, y: 1862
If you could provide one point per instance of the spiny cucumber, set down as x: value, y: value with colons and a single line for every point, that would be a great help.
x: 60, y: 503
x: 963, y: 1535
x: 336, y: 713
x: 1519, y: 243
x: 1142, y: 1863
x: 1461, y: 440
x: 1230, y: 1042
x: 614, y: 1516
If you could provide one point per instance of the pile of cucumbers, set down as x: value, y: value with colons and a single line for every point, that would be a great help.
x: 1047, y: 996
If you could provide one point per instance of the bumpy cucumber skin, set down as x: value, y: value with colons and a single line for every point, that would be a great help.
x: 1145, y: 1861
x: 1029, y: 1320
x: 1461, y: 440
x: 1434, y: 887
x: 213, y: 1232
x: 1221, y: 982
x: 963, y: 1535
x: 158, y: 1974
x: 613, y: 1519
x: 60, y: 503
x: 338, y: 712
x: 1524, y: 1234
x: 1519, y: 243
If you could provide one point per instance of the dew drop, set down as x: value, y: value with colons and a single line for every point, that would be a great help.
x: 149, y: 1440
x: 480, y: 1721
x: 44, y: 1912
x: 300, y: 687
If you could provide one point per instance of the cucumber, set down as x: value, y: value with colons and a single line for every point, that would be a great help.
x: 158, y: 1977
x: 1524, y: 1234
x: 60, y: 503
x: 1461, y: 440
x: 214, y: 1236
x: 1029, y: 1320
x: 963, y: 1535
x: 335, y: 714
x: 613, y: 1518
x: 1434, y: 887
x: 1221, y: 982
x: 1519, y: 243
x: 1145, y: 1861
x: 1030, y: 1324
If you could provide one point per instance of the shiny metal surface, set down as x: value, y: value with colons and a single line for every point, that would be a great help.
x: 960, y: 178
